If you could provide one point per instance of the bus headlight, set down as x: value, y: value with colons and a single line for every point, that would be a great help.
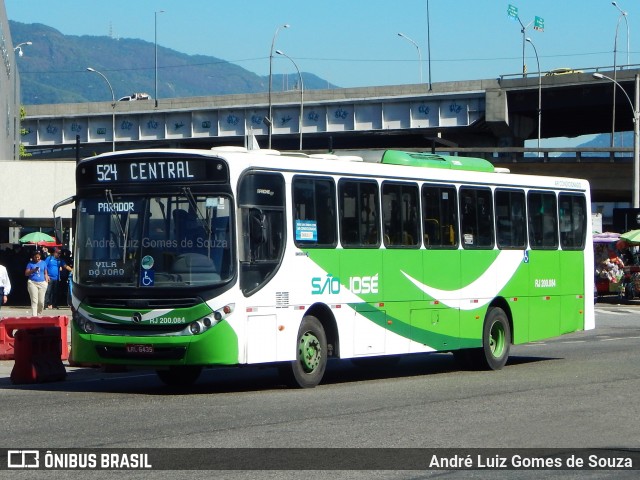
x: 87, y: 326
x: 205, y: 323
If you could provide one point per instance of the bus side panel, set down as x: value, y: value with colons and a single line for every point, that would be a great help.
x: 514, y: 292
x: 360, y: 272
x: 545, y: 294
x: 398, y: 295
x: 473, y: 305
x: 573, y: 295
x: 441, y: 319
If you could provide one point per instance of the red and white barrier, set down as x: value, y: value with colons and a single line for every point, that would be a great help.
x: 37, y: 352
x: 9, y: 326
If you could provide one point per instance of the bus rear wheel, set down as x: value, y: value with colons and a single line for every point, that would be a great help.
x: 179, y: 376
x: 496, y: 339
x: 307, y: 370
x: 496, y: 342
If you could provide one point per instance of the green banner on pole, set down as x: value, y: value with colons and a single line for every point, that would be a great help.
x: 538, y: 24
x: 512, y: 11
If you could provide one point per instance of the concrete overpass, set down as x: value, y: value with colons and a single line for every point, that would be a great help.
x: 488, y: 118
x: 479, y: 113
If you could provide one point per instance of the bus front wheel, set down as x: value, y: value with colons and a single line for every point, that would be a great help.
x: 307, y: 370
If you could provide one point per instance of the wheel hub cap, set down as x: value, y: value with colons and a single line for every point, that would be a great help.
x: 309, y: 352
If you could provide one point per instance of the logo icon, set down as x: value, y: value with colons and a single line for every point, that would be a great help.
x: 136, y: 317
x: 23, y: 459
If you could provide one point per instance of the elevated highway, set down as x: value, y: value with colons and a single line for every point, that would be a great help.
x: 490, y: 118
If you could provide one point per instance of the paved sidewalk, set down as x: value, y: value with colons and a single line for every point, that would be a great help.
x: 25, y: 311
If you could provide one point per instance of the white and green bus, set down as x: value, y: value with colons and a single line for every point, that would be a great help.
x: 185, y: 259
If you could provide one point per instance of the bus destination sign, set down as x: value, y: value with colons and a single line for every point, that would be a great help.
x: 152, y: 171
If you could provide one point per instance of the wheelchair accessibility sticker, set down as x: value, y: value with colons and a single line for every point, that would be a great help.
x: 147, y: 273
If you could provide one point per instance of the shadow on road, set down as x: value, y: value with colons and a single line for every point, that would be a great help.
x: 257, y: 378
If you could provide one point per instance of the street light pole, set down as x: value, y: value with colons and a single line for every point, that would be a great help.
x: 156, y: 54
x: 113, y: 106
x: 622, y: 15
x: 539, y: 93
x: 273, y: 42
x: 635, y: 106
x: 19, y: 49
x: 428, y: 45
x: 419, y: 54
x: 280, y: 52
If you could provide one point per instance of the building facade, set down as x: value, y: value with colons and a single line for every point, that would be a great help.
x: 9, y: 93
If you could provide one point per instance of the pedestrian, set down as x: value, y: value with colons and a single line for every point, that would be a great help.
x: 55, y: 265
x: 37, y: 284
x: 5, y: 285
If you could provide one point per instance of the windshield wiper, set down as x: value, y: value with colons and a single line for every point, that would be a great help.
x: 109, y: 196
x: 114, y: 215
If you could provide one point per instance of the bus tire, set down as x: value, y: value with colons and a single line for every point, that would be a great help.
x: 311, y: 352
x: 496, y: 340
x: 179, y: 376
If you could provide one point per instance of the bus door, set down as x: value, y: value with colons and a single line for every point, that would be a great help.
x: 544, y: 266
x: 261, y: 197
x: 573, y: 231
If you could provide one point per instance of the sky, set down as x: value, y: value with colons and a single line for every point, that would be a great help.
x: 355, y: 43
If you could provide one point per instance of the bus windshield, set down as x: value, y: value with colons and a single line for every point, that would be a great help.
x: 154, y: 241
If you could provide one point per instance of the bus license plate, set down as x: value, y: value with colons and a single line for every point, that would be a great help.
x: 136, y: 348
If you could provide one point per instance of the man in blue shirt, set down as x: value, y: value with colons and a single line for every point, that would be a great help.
x: 54, y: 266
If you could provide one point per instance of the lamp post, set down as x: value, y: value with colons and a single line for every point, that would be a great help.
x: 539, y: 93
x: 273, y: 42
x: 622, y: 15
x: 635, y: 106
x: 155, y: 40
x: 19, y: 49
x: 280, y: 52
x: 113, y: 106
x: 419, y: 54
x: 428, y: 45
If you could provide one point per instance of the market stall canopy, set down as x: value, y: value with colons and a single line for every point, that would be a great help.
x: 606, y: 237
x: 632, y: 237
x: 39, y: 238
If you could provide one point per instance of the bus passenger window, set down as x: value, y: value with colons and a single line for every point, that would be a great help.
x: 543, y: 220
x: 572, y: 221
x: 359, y: 214
x: 439, y: 216
x: 400, y: 214
x: 476, y: 217
x: 314, y: 212
x: 510, y: 219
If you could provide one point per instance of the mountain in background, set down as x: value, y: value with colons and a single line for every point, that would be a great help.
x: 603, y: 140
x: 53, y: 69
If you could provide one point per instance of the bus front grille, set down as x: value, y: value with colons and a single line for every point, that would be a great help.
x: 143, y: 303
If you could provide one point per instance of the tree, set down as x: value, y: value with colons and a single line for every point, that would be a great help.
x: 22, y: 149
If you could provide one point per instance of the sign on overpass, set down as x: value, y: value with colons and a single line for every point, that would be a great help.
x: 139, y: 121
